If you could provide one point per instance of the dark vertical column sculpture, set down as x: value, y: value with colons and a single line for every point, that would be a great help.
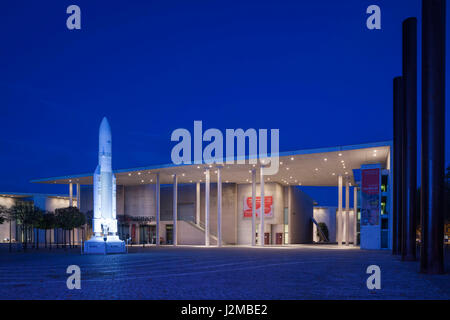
x: 410, y: 100
x: 433, y: 136
x: 398, y: 139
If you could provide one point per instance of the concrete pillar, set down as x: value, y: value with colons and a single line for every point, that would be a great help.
x: 261, y: 208
x: 397, y: 166
x: 70, y: 195
x: 253, y: 207
x: 175, y: 209
x: 433, y: 136
x: 207, y: 186
x: 355, y: 216
x: 158, y: 207
x: 219, y: 208
x: 197, y: 204
x: 339, y: 216
x: 347, y: 211
x: 78, y: 196
x: 410, y: 100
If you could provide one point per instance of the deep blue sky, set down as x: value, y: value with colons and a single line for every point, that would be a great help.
x: 310, y: 68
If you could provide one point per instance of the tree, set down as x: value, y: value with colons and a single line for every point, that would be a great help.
x: 80, y: 219
x: 35, y: 224
x: 48, y: 222
x: 4, y: 214
x: 324, y: 228
x: 27, y: 216
x: 67, y: 219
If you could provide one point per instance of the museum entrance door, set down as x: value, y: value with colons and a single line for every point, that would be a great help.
x: 169, y: 234
x: 266, y: 238
x: 279, y: 238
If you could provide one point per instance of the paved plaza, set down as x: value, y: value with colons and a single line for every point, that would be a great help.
x: 297, y: 272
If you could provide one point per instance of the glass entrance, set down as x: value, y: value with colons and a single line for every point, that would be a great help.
x: 147, y: 234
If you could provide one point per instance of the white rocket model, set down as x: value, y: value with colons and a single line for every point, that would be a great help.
x: 104, y: 224
x: 104, y: 186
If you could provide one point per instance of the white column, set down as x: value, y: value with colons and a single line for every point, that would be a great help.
x: 158, y: 207
x: 78, y: 196
x: 339, y: 215
x: 175, y: 209
x: 347, y: 211
x: 70, y: 195
x: 219, y: 208
x: 261, y: 208
x: 207, y: 180
x: 253, y: 206
x: 197, y: 203
x: 355, y: 216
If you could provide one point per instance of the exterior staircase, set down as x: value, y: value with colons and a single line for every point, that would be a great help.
x: 201, y: 227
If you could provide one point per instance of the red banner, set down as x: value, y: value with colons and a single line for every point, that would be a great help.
x: 370, y: 196
x: 268, y: 206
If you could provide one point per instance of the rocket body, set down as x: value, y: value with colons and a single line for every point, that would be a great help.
x: 104, y: 222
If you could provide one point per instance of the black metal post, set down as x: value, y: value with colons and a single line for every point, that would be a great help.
x: 433, y: 136
x: 410, y: 100
x: 398, y: 139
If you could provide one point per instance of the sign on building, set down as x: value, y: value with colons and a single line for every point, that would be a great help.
x: 268, y: 206
x: 370, y: 197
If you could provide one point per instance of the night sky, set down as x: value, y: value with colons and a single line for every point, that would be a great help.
x: 309, y: 68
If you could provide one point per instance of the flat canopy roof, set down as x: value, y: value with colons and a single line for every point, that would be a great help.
x: 312, y: 167
x: 31, y: 195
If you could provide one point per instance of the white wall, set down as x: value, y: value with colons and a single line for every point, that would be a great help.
x: 244, y: 225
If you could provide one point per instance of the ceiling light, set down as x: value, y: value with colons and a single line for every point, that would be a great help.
x: 129, y: 174
x: 281, y: 162
x: 317, y: 169
x: 325, y: 159
x: 346, y: 172
x: 287, y: 168
x: 142, y: 180
x: 340, y: 154
x: 333, y: 174
x: 139, y: 173
x: 292, y: 158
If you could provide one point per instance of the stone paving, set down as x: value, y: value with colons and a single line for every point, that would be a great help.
x: 297, y: 272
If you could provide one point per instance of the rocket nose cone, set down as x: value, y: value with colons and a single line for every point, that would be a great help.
x: 105, y: 137
x: 104, y: 126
